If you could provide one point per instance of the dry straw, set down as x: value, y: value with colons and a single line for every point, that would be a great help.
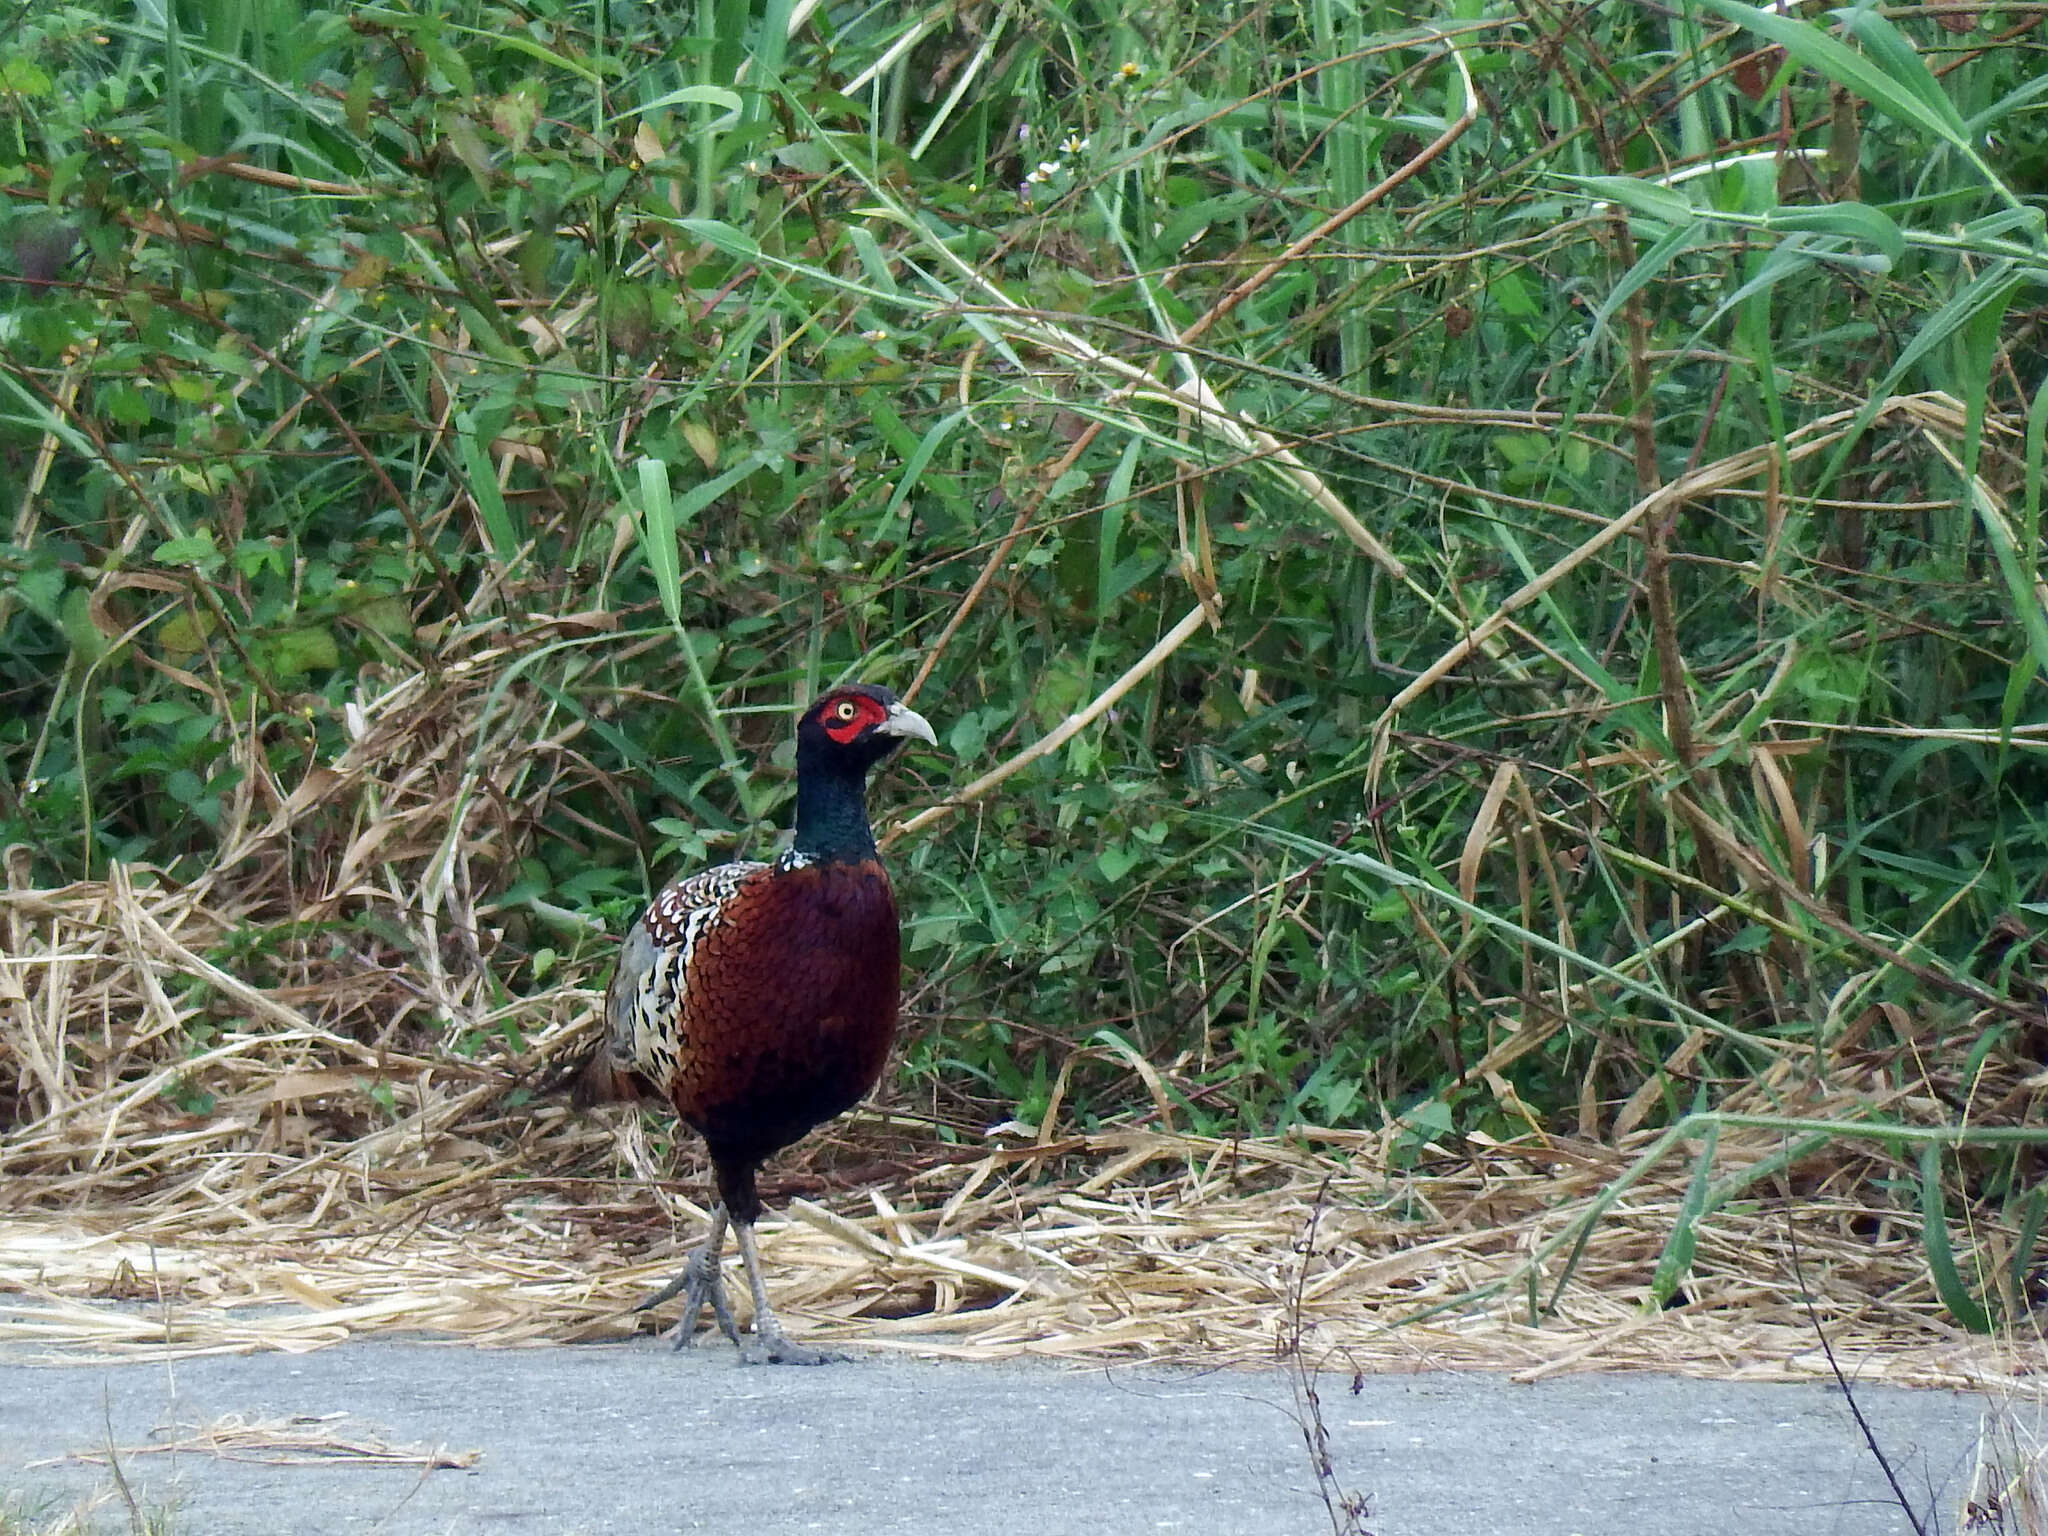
x: 337, y: 1134
x: 334, y: 1186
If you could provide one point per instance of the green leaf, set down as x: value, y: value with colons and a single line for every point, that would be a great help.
x: 1677, y: 239
x: 454, y: 68
x: 1941, y: 1259
x: 1846, y: 67
x: 873, y: 259
x: 388, y: 616
x: 658, y: 536
x: 1116, y: 861
x: 920, y: 459
x: 690, y: 95
x: 805, y: 155
x: 470, y: 148
x: 1676, y: 1260
x: 194, y: 550
x: 716, y: 232
x: 255, y: 555
x: 1648, y: 198
x: 20, y: 77
x: 299, y: 651
x: 2005, y: 106
x: 484, y: 492
x: 1852, y: 221
x: 513, y: 42
x: 88, y: 644
x: 42, y: 590
x: 968, y: 736
x: 2025, y: 222
x: 1511, y: 295
x: 1068, y: 484
x: 1901, y: 61
x: 1750, y: 939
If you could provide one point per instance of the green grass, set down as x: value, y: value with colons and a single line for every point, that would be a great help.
x: 344, y: 348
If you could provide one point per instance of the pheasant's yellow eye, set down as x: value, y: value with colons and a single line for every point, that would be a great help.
x: 846, y: 711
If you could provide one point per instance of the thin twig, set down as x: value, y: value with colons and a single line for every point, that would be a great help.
x: 1841, y: 1380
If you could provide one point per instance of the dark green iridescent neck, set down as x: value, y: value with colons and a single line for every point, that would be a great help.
x: 831, y: 809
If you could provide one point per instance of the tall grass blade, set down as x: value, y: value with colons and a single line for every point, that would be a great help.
x: 1675, y: 1262
x: 1941, y: 1259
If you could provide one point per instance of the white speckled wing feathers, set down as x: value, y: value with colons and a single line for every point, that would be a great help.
x: 648, y: 985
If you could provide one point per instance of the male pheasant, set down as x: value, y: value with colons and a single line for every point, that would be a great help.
x: 760, y: 999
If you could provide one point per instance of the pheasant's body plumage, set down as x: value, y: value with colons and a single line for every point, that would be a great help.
x: 760, y: 999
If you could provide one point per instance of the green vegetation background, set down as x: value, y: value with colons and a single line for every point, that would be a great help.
x: 619, y: 375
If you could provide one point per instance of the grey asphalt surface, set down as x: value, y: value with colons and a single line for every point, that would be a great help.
x: 631, y: 1437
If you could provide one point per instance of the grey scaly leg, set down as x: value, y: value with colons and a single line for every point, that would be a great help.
x: 700, y: 1282
x: 775, y: 1347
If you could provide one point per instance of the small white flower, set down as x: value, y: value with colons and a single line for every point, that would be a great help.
x: 1034, y: 178
x: 1047, y: 169
x: 1074, y: 144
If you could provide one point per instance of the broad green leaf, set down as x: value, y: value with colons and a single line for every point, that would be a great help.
x: 1941, y: 1259
x: 1116, y: 861
x: 484, y: 492
x: 388, y: 616
x: 1819, y: 50
x: 806, y: 155
x: 686, y: 96
x: 42, y: 589
x: 2008, y: 221
x: 1852, y: 221
x: 1901, y: 61
x: 1676, y: 1260
x: 968, y: 736
x: 1648, y: 198
x: 452, y: 65
x: 873, y: 259
x: 194, y: 549
x: 299, y: 651
x: 929, y: 444
x: 2006, y: 105
x: 722, y: 235
x: 1511, y: 295
x: 658, y: 535
x: 20, y: 77
x: 184, y: 634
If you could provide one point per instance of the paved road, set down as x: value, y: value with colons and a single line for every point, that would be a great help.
x: 632, y: 1438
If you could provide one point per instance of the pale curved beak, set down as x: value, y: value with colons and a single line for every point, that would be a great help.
x: 902, y: 720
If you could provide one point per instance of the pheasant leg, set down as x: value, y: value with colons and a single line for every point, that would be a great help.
x: 772, y: 1345
x: 700, y: 1282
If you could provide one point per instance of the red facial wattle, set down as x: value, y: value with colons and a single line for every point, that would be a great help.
x: 845, y: 718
